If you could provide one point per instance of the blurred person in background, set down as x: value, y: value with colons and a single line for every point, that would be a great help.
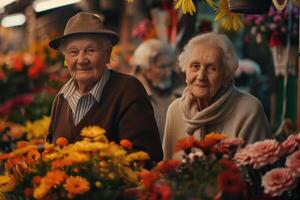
x: 155, y: 68
x: 210, y: 101
x: 95, y: 95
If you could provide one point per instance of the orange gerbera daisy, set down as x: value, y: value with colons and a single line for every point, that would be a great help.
x: 77, y: 185
x: 60, y: 163
x: 55, y: 178
x: 33, y: 154
x: 185, y: 143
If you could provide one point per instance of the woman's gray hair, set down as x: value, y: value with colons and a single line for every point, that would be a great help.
x: 229, y: 58
x: 146, y: 53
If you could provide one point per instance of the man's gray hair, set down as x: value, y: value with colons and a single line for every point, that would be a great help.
x: 229, y: 58
x: 146, y: 53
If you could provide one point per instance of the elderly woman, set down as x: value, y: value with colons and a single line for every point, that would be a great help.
x: 95, y: 95
x: 211, y: 102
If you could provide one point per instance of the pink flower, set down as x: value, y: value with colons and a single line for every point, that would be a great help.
x: 293, y: 163
x: 264, y: 152
x: 243, y: 156
x: 289, y: 145
x: 277, y: 181
x: 232, y: 142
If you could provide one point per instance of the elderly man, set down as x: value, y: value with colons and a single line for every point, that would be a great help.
x: 97, y: 96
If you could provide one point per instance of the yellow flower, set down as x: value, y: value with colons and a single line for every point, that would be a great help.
x: 130, y: 175
x: 94, y: 132
x: 77, y: 185
x: 139, y: 155
x: 41, y: 191
x: 7, y: 183
x: 186, y: 6
x: 229, y: 19
x: 37, y: 129
x: 54, y: 178
x: 77, y: 157
x: 86, y: 146
x: 98, y: 184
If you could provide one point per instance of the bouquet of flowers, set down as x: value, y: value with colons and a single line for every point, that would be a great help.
x: 274, y: 26
x: 91, y: 168
x: 205, y: 172
x: 272, y: 167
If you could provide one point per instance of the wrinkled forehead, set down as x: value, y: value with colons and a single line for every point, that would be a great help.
x: 95, y: 39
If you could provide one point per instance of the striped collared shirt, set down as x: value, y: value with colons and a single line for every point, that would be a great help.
x: 81, y: 104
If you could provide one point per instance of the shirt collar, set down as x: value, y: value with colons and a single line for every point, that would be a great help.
x: 69, y: 88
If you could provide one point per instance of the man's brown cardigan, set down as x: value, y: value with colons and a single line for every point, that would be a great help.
x: 124, y: 111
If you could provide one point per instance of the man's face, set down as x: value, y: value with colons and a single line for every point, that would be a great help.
x: 205, y: 72
x: 86, y: 57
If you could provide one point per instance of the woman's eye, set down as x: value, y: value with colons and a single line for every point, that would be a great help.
x: 72, y: 52
x: 212, y: 68
x: 90, y: 50
x: 194, y: 66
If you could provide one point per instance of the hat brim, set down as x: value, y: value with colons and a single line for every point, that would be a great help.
x: 112, y: 36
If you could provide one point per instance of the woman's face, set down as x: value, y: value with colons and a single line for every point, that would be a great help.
x: 205, y: 71
x: 86, y: 57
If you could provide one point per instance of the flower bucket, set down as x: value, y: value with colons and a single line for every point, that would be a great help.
x: 249, y: 6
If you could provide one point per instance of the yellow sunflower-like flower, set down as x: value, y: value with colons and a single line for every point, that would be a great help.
x: 94, y: 132
x: 7, y: 183
x: 137, y: 156
x: 86, y: 146
x: 229, y: 19
x: 77, y: 185
x: 186, y: 6
x: 130, y: 175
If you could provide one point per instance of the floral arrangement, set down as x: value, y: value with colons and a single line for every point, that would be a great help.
x: 274, y: 26
x: 272, y: 167
x: 227, y: 19
x: 24, y: 77
x: 90, y: 168
x: 205, y: 172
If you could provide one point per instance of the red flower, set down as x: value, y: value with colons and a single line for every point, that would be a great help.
x: 167, y: 166
x: 36, y: 68
x: 185, y: 143
x: 126, y: 144
x: 148, y: 178
x: 164, y: 191
x: 17, y: 64
x: 230, y: 183
x: 228, y: 165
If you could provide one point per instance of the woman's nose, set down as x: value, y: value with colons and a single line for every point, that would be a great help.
x: 201, y: 74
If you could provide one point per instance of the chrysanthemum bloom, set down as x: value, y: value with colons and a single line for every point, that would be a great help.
x: 289, y: 145
x: 137, y: 156
x: 7, y: 183
x: 167, y: 166
x: 94, y: 132
x: 277, y: 181
x: 196, y: 155
x: 264, y: 152
x: 54, y: 178
x: 185, y: 143
x: 77, y: 185
x: 230, y: 183
x: 61, y: 163
x: 293, y: 163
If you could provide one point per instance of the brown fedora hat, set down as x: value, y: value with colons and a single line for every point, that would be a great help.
x: 83, y: 23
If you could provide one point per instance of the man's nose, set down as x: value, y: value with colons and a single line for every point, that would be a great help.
x: 82, y: 59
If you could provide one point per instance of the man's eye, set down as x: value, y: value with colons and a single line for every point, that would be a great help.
x: 194, y: 66
x: 212, y: 68
x: 90, y: 50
